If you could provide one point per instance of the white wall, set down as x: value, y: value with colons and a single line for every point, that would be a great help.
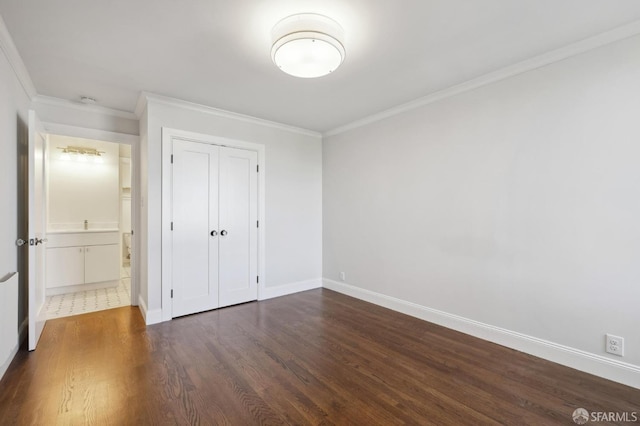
x: 14, y: 104
x: 293, y: 193
x: 79, y: 191
x: 516, y: 205
x: 59, y: 111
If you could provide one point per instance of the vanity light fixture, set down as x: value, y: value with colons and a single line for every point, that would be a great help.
x: 81, y: 153
x: 307, y: 45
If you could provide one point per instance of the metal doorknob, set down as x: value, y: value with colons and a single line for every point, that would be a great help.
x: 214, y: 233
x: 223, y: 233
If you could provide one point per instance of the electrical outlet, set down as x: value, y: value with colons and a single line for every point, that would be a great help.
x: 343, y: 276
x: 614, y: 344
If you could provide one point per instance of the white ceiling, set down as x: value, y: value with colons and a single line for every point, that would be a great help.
x: 217, y: 52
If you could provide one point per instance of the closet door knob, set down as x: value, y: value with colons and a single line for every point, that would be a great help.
x: 223, y: 232
x: 214, y: 233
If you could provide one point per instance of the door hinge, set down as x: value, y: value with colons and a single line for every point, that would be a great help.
x: 171, y: 158
x: 257, y: 168
x: 257, y: 224
x: 172, y: 293
x: 172, y: 226
x: 132, y: 232
x: 257, y: 279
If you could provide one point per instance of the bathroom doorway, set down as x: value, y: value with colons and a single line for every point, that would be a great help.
x: 90, y: 250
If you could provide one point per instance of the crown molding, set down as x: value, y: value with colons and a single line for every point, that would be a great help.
x: 64, y: 103
x: 617, y: 34
x: 15, y: 60
x: 145, y: 97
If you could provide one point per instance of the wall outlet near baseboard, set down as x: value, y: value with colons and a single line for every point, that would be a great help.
x: 343, y: 276
x: 614, y: 344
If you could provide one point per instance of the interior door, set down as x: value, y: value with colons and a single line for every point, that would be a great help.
x: 36, y: 229
x: 238, y: 265
x: 195, y: 232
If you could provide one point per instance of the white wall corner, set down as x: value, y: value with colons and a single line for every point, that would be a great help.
x: 608, y: 37
x: 291, y: 288
x: 15, y: 60
x: 150, y: 317
x: 141, y: 105
x: 597, y: 365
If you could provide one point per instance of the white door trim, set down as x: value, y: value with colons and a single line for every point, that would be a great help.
x: 123, y: 138
x: 168, y: 135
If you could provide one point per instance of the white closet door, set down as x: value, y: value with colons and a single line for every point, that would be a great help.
x: 195, y: 216
x: 238, y: 219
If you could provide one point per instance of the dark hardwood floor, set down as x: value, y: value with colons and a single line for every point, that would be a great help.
x: 316, y: 357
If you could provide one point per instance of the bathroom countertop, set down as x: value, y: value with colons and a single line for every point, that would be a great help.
x: 80, y: 231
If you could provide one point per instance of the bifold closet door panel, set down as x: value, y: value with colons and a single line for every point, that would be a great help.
x: 194, y: 216
x: 238, y: 209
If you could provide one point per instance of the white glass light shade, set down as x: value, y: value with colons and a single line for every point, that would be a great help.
x: 307, y: 45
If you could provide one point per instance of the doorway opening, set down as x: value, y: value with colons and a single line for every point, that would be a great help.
x: 89, y: 248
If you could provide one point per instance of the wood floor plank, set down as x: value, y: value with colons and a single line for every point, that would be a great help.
x: 317, y: 358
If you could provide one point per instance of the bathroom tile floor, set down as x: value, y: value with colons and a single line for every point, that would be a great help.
x: 82, y: 302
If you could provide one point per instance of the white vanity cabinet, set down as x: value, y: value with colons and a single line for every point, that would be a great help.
x: 77, y: 258
x: 101, y: 263
x: 65, y: 266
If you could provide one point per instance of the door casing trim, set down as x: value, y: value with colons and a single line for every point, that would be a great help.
x: 168, y: 134
x: 134, y: 142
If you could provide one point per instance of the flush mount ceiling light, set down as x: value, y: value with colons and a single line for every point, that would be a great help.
x: 307, y: 45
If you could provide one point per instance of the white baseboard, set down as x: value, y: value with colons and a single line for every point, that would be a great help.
x: 9, y: 336
x: 150, y: 317
x: 5, y: 366
x: 283, y: 290
x: 143, y: 308
x: 598, y: 365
